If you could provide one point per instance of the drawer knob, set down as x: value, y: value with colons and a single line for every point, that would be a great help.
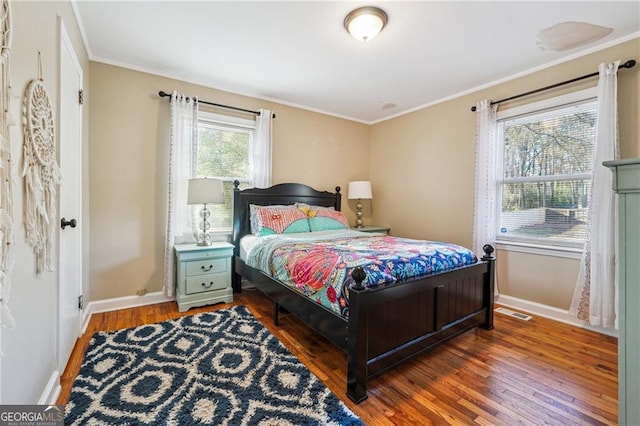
x: 205, y: 285
x: 206, y: 269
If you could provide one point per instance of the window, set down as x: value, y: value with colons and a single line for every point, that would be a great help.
x: 546, y: 159
x: 223, y: 151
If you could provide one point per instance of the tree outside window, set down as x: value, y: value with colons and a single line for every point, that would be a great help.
x: 223, y: 152
x: 547, y: 159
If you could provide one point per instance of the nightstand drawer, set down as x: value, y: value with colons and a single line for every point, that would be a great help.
x: 207, y: 266
x: 203, y: 274
x: 207, y: 283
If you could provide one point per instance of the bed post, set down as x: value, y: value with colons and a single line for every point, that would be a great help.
x: 236, y: 279
x: 357, y: 354
x: 489, y: 284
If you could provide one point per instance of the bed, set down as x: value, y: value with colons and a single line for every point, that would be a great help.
x: 386, y: 324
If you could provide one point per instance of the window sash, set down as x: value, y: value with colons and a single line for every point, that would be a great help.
x: 221, y: 214
x: 577, y: 102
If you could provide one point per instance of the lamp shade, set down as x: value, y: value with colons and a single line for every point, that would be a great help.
x: 205, y: 191
x: 360, y: 189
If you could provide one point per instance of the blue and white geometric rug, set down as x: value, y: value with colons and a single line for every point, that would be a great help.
x: 220, y: 367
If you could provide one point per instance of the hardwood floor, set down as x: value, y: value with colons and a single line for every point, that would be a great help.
x: 527, y: 372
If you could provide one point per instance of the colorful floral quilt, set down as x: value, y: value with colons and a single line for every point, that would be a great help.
x: 319, y: 264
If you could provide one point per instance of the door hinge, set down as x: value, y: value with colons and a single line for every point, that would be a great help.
x: 81, y: 97
x: 80, y: 302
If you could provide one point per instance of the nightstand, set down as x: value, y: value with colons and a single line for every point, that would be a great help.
x: 373, y: 228
x: 203, y: 274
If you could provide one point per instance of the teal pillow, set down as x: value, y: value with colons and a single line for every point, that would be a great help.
x: 326, y: 219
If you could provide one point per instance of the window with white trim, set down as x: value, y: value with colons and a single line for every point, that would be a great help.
x: 546, y: 158
x: 225, y: 144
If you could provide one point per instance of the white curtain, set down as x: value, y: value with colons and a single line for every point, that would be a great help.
x: 261, y: 155
x: 485, y: 214
x: 594, y: 298
x: 182, y: 145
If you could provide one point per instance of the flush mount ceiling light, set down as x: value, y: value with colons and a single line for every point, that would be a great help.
x: 365, y: 23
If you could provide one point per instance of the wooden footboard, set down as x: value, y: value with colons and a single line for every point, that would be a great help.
x: 391, y: 324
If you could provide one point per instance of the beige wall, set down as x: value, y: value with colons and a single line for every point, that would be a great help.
x: 128, y: 177
x: 30, y: 355
x: 422, y: 171
x: 421, y: 165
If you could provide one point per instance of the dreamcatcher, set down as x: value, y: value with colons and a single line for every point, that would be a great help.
x: 41, y: 172
x: 6, y: 168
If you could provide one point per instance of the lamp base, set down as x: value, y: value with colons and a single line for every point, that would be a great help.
x: 204, y: 239
x: 359, y: 214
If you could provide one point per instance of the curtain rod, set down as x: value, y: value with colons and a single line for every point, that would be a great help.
x: 164, y: 94
x: 629, y: 64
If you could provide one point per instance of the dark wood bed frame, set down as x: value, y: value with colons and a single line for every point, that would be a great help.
x: 386, y: 325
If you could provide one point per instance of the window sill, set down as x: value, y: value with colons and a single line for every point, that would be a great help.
x: 221, y: 231
x: 540, y: 249
x: 221, y: 234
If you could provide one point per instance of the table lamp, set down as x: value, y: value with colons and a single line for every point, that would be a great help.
x: 205, y: 191
x: 359, y: 190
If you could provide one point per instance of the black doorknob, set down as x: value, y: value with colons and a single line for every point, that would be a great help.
x: 64, y: 223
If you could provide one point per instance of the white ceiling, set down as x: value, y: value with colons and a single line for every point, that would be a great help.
x: 298, y: 53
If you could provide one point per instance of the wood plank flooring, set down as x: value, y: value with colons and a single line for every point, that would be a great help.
x: 526, y: 372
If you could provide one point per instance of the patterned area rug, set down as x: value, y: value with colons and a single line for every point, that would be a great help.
x: 220, y: 367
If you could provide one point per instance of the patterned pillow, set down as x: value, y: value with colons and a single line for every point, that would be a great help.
x: 307, y: 208
x: 253, y: 214
x: 324, y: 219
x: 281, y: 221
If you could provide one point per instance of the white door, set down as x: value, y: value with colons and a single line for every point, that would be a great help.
x: 70, y: 134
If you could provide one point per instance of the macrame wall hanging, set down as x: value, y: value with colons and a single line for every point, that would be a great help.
x: 41, y: 172
x: 6, y: 169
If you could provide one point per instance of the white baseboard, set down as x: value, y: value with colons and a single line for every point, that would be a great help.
x: 85, y: 317
x: 550, y: 312
x: 117, y: 303
x: 52, y: 390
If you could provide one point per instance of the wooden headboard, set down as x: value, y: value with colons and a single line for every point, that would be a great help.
x: 283, y: 193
